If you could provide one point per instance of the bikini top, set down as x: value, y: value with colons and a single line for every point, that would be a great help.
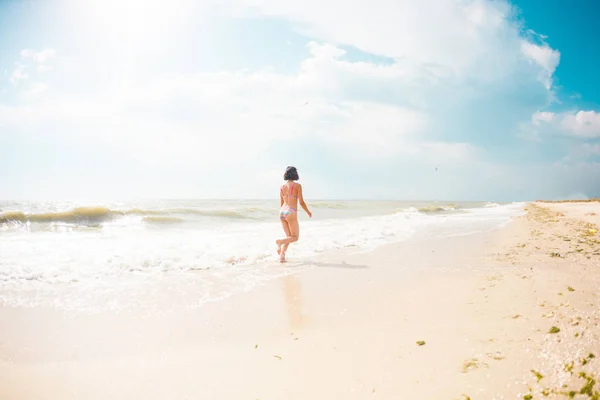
x: 289, y: 193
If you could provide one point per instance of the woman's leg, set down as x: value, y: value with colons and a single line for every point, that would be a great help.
x: 286, y: 229
x: 293, y: 233
x: 292, y: 230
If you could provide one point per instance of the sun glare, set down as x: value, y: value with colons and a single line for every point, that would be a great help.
x: 135, y: 19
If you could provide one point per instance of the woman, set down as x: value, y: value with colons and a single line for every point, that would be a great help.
x: 290, y: 194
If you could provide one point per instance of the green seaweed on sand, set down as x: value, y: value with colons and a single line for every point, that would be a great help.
x: 420, y: 342
x: 569, y: 367
x: 554, y: 329
x: 527, y: 397
x: 537, y: 375
x: 588, y: 388
x: 570, y: 289
x: 496, y: 356
x: 589, y: 358
x: 473, y: 363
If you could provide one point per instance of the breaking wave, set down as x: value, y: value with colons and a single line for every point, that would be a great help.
x: 76, y: 215
x: 97, y: 215
x: 437, y: 209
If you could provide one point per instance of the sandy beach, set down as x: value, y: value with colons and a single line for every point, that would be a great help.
x: 512, y: 313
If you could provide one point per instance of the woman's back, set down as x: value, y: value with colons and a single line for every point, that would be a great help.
x: 289, y: 191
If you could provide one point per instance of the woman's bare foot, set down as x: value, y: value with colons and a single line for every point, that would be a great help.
x: 282, y: 257
x: 278, y: 246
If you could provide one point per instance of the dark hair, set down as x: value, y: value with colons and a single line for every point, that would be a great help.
x: 291, y: 174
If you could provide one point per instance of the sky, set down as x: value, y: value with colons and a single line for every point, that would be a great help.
x: 381, y: 99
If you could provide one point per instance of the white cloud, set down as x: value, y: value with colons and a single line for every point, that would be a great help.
x: 545, y: 57
x: 542, y: 116
x: 18, y: 75
x: 202, y: 116
x: 40, y: 57
x: 471, y: 39
x: 584, y: 124
x: 34, y: 90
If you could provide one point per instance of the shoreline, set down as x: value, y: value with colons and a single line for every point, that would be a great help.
x: 121, y: 271
x: 347, y: 328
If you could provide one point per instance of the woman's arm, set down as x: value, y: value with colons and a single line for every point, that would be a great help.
x: 280, y: 198
x: 301, y: 200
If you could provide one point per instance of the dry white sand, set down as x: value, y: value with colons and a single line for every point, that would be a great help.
x: 482, y: 305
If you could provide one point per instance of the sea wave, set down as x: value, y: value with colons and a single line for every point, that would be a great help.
x: 76, y: 215
x: 40, y: 216
x: 437, y: 209
x: 97, y: 215
x: 233, y: 214
x: 489, y: 205
x: 221, y: 258
x: 162, y: 220
x: 430, y: 209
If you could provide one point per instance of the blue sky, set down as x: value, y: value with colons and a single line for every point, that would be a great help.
x: 131, y: 98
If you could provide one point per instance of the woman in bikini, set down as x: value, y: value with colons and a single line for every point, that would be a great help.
x: 290, y: 194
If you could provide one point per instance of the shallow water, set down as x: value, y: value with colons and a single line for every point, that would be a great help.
x: 89, y: 252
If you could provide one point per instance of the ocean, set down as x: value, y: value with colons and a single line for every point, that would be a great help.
x: 95, y: 256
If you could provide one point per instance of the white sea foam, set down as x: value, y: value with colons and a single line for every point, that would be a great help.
x: 222, y: 250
